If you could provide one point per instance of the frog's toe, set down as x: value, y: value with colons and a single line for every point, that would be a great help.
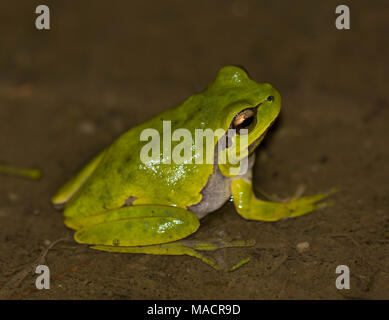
x: 303, y: 205
x: 299, y: 191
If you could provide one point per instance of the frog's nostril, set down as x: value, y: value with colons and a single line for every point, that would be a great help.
x: 270, y: 98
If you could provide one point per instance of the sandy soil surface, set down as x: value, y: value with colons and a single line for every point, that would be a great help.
x: 105, y: 67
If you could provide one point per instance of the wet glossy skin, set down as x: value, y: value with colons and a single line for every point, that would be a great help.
x: 121, y: 174
x: 119, y: 203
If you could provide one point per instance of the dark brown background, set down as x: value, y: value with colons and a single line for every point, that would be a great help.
x: 108, y: 65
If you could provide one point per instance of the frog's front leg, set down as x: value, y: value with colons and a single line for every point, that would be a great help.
x: 149, y: 229
x: 251, y: 208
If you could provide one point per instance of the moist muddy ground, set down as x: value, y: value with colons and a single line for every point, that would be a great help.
x: 105, y: 66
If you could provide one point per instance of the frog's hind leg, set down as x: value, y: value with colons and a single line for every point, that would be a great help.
x: 149, y: 229
x: 190, y: 248
x: 70, y: 188
x: 139, y: 225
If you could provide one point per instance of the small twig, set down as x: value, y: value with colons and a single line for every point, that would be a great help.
x: 239, y: 264
x: 72, y: 269
x: 282, y: 261
x: 343, y: 235
x: 33, y: 174
x: 267, y: 246
x: 313, y: 226
x: 283, y: 287
x: 380, y: 240
x: 15, y: 281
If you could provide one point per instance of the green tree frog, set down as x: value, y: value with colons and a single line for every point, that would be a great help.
x: 119, y: 203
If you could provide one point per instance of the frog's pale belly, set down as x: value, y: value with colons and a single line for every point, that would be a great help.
x: 215, y: 194
x: 218, y: 190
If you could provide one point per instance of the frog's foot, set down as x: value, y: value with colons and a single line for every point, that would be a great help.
x: 299, y: 206
x: 249, y: 207
x: 190, y: 248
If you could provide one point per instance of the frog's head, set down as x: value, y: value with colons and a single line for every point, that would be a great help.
x: 245, y: 104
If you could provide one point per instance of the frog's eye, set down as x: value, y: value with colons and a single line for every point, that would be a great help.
x: 270, y: 98
x: 246, y: 119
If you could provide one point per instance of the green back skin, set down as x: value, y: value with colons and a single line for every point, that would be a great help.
x: 120, y: 174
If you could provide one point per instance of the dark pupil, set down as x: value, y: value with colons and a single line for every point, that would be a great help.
x: 270, y: 98
x: 245, y: 123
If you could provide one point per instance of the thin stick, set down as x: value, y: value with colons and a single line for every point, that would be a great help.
x: 33, y: 174
x: 15, y: 281
x: 239, y: 264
